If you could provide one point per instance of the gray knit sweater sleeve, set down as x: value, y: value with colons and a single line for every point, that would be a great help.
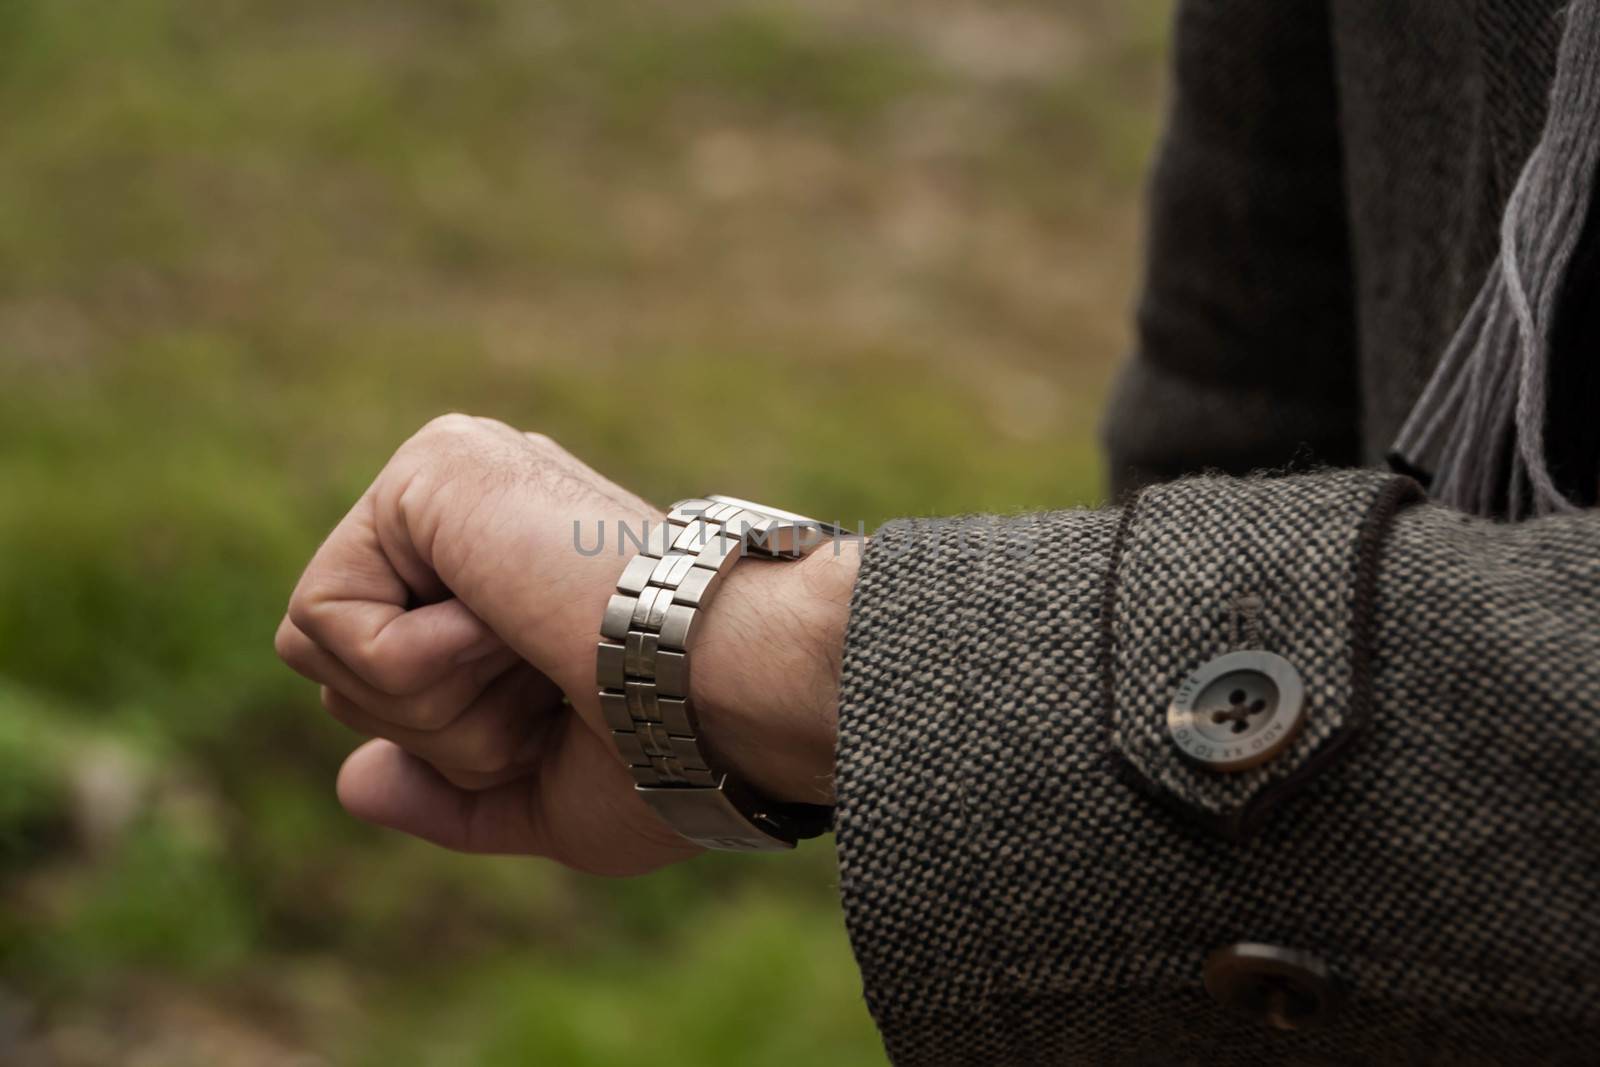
x: 1032, y: 874
x: 1246, y: 325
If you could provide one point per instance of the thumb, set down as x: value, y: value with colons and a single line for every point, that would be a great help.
x: 580, y: 810
x: 381, y: 783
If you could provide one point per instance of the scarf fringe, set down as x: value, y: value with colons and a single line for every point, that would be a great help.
x: 1477, y: 433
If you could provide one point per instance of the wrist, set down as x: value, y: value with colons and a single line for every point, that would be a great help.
x: 766, y: 677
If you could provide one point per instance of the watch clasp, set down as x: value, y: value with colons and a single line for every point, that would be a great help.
x: 720, y: 817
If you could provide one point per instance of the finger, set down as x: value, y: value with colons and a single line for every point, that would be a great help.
x: 353, y: 601
x: 394, y: 650
x: 432, y: 709
x: 499, y: 733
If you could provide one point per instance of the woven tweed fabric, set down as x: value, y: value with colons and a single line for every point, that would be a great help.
x: 1280, y: 568
x: 1013, y: 900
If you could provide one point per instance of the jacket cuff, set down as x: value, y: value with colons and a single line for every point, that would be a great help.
x: 972, y: 647
x: 996, y: 670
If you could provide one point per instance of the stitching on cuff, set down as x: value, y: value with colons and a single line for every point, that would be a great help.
x: 1107, y: 656
x: 1370, y: 541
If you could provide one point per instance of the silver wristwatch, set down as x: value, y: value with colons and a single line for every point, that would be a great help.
x: 643, y: 670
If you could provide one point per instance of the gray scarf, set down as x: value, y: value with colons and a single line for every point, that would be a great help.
x: 1481, y: 431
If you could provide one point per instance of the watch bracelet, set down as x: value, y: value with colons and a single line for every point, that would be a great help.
x: 643, y: 660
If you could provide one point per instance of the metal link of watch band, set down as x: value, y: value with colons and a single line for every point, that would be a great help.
x: 642, y: 668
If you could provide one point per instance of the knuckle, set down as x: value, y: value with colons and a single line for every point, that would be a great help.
x: 450, y: 424
x: 397, y: 676
x: 288, y: 642
x: 334, y: 704
x: 416, y: 491
x: 306, y: 612
x: 487, y: 751
x: 342, y: 710
x: 431, y: 713
x: 442, y: 439
x: 548, y: 450
x: 448, y: 452
x: 495, y: 427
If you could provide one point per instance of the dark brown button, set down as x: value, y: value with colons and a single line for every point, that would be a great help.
x: 1284, y: 988
x: 1237, y: 711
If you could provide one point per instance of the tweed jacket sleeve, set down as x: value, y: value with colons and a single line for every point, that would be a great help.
x: 1032, y: 874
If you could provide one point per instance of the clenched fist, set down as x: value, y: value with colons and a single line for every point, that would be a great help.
x: 452, y: 617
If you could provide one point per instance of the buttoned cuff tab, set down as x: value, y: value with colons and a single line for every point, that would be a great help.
x: 1238, y: 634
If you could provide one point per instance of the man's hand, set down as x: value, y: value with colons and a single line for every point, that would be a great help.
x: 450, y: 611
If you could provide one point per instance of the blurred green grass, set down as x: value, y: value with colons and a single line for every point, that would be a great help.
x: 867, y: 261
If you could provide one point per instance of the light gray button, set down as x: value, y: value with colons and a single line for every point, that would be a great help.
x: 1238, y: 711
